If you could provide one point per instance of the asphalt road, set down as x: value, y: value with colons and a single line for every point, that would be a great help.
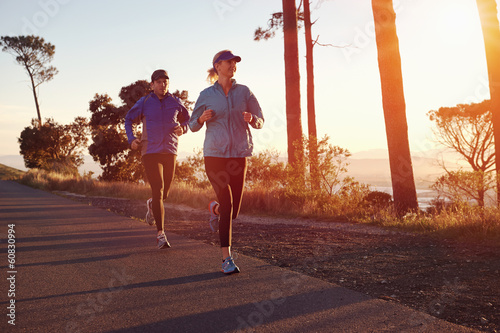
x: 77, y: 268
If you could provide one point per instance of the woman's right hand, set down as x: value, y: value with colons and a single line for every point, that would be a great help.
x: 206, y: 115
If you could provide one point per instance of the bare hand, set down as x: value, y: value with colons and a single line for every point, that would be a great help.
x: 247, y: 116
x: 207, y: 115
x: 178, y: 130
x: 136, y: 144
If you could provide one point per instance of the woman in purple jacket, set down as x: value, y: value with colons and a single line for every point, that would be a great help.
x: 164, y: 119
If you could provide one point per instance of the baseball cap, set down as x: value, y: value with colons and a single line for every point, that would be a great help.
x: 228, y: 55
x: 159, y: 73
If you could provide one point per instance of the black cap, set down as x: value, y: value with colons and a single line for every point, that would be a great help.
x: 159, y: 73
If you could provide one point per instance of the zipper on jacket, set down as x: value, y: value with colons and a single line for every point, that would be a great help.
x: 229, y: 127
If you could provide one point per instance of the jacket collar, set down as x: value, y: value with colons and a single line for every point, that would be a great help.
x: 166, y: 96
x: 218, y: 86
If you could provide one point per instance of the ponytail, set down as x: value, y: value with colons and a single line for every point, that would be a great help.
x: 212, y: 73
x: 212, y: 76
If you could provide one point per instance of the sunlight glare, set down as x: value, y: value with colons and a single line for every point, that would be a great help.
x: 457, y: 24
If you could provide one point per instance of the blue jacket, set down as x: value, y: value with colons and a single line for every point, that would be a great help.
x: 159, y: 119
x: 227, y: 134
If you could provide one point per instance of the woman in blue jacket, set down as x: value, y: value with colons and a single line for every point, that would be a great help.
x: 164, y: 119
x: 227, y: 108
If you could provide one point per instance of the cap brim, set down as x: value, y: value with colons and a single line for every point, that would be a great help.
x: 237, y: 58
x: 228, y: 56
x: 161, y: 76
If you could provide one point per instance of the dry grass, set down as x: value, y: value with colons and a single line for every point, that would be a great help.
x: 8, y: 173
x: 463, y: 222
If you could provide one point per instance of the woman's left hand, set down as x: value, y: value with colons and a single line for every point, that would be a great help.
x: 247, y: 116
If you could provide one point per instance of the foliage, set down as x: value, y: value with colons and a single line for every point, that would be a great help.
x: 294, y: 190
x: 33, y: 54
x: 184, y: 97
x: 54, y: 146
x: 466, y: 129
x: 274, y: 23
x: 464, y: 186
x: 192, y: 171
x: 378, y: 199
x: 459, y: 222
x: 132, y: 93
x: 265, y: 169
x: 53, y: 181
x: 109, y: 142
x: 331, y: 166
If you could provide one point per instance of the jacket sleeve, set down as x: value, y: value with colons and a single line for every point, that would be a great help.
x: 134, y: 116
x: 184, y: 119
x: 199, y: 108
x: 254, y: 108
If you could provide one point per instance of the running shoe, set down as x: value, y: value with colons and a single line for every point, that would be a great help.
x: 229, y: 267
x: 162, y: 241
x: 150, y: 219
x: 214, y: 218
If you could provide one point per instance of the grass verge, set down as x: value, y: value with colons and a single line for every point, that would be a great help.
x: 7, y: 173
x: 461, y: 223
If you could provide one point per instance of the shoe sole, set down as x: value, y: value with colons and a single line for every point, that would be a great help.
x: 150, y: 220
x: 164, y: 246
x: 236, y: 270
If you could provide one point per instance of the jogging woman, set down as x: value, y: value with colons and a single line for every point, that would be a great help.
x: 228, y: 109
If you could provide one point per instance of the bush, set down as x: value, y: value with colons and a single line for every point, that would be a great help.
x: 378, y: 199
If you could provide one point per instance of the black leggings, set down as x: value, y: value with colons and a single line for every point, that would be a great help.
x: 160, y: 169
x: 227, y: 176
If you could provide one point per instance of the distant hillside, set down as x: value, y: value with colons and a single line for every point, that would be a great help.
x: 368, y: 167
x: 16, y: 161
x: 9, y: 173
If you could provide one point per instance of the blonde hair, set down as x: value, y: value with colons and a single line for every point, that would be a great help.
x: 212, y: 73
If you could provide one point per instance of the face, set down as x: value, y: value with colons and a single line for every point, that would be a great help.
x: 226, y: 68
x: 160, y: 87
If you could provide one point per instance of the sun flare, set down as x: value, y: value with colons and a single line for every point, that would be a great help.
x: 456, y: 24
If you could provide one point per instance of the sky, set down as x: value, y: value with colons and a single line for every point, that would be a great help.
x: 102, y: 46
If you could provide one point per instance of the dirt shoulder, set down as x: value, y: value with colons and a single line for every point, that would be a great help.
x: 453, y: 281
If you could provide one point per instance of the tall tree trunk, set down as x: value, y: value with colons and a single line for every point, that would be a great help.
x: 33, y: 86
x: 311, y: 109
x: 292, y: 81
x: 391, y: 78
x: 491, y: 34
